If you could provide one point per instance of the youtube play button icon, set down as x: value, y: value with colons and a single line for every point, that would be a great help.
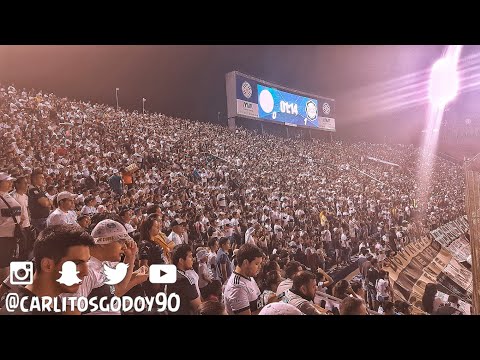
x: 162, y: 274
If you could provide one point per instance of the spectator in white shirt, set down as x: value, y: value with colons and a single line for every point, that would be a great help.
x: 51, y: 192
x: 64, y: 214
x: 278, y: 230
x: 178, y: 228
x: 204, y: 273
x: 89, y: 207
x: 20, y: 194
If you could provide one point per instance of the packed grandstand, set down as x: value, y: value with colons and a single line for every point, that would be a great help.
x: 254, y: 223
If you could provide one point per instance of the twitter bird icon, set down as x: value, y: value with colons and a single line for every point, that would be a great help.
x: 115, y: 275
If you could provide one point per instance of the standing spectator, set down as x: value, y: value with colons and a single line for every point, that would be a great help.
x: 430, y: 301
x: 51, y: 192
x: 115, y: 183
x: 383, y: 288
x: 204, y: 273
x: 38, y: 202
x: 241, y: 294
x: 184, y: 287
x: 212, y: 257
x: 153, y: 248
x: 372, y: 276
x: 19, y: 194
x: 89, y: 207
x: 64, y: 214
x: 8, y: 242
x: 178, y: 228
x: 126, y: 216
x: 223, y: 265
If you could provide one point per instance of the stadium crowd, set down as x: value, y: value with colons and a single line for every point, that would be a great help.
x: 253, y: 222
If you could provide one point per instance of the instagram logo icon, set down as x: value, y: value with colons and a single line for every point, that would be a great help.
x: 21, y: 272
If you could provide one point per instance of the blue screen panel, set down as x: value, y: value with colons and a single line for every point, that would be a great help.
x: 277, y: 105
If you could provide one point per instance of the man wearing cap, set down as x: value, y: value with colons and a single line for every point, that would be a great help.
x: 8, y: 242
x: 177, y: 231
x: 111, y: 241
x: 38, y: 202
x: 64, y: 214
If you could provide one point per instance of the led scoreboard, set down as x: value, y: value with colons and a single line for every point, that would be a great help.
x: 257, y: 99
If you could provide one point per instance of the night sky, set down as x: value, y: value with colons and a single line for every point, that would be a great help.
x: 189, y: 81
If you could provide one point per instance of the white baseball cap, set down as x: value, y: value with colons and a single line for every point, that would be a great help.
x: 65, y: 195
x: 6, y: 177
x: 108, y: 231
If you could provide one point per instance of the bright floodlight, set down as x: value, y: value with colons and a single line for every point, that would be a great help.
x: 443, y: 82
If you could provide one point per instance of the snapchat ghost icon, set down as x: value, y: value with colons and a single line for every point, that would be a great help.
x: 69, y: 274
x: 115, y: 275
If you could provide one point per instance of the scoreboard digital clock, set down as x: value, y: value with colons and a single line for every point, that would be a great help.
x: 274, y: 104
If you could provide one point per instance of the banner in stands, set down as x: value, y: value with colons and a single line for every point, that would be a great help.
x: 452, y: 236
x: 423, y: 262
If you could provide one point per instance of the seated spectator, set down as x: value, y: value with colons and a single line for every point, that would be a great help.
x: 388, y: 308
x: 353, y: 306
x: 451, y: 307
x: 291, y: 269
x: 211, y: 308
x: 302, y: 293
x: 280, y: 308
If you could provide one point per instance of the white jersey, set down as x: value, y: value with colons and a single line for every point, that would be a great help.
x: 7, y: 225
x: 177, y: 239
x: 241, y: 293
x: 60, y: 217
x: 22, y: 199
x: 283, y: 287
x: 300, y: 303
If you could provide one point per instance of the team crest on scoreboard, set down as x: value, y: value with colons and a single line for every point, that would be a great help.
x: 246, y: 90
x: 326, y: 108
